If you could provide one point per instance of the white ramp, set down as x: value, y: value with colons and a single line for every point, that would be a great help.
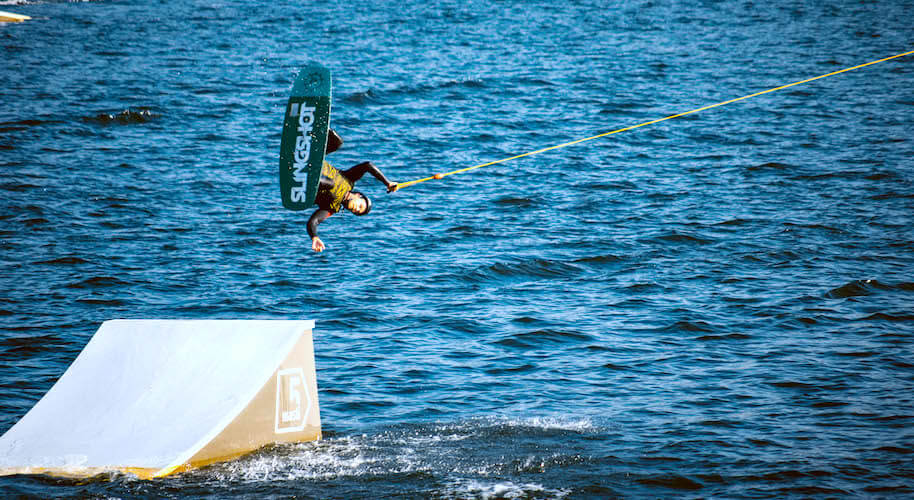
x: 154, y: 397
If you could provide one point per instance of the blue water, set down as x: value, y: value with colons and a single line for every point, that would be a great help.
x: 714, y: 306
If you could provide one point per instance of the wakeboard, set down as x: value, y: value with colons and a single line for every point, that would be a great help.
x: 304, y: 137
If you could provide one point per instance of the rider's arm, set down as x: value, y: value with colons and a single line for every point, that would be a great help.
x: 355, y: 173
x: 319, y: 215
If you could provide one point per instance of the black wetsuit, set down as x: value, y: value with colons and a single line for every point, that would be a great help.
x: 334, y: 187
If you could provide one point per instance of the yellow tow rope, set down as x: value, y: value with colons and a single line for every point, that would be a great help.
x: 558, y: 146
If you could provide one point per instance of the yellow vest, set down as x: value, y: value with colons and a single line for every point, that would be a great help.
x: 333, y: 189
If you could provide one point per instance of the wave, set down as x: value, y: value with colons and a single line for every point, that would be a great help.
x: 492, y: 488
x: 834, y: 230
x: 125, y: 117
x: 28, y: 346
x: 63, y: 261
x: 689, y: 326
x: 511, y: 201
x: 769, y: 166
x: 389, y: 96
x: 425, y: 449
x: 892, y: 195
x: 672, y: 481
x: 536, y: 338
x: 17, y: 187
x: 98, y: 282
x: 790, y: 384
x: 847, y: 174
x: 861, y: 288
x: 737, y: 222
x: 889, y: 317
x: 20, y: 125
x: 605, y: 186
x: 678, y: 238
x: 731, y: 336
x: 102, y: 302
x: 535, y: 268
x: 363, y: 97
x: 599, y: 259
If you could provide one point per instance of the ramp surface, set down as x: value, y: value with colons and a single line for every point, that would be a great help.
x: 154, y: 397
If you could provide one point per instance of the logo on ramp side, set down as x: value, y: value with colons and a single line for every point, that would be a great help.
x: 293, y: 402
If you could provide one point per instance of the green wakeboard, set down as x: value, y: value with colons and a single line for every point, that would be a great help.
x: 304, y: 137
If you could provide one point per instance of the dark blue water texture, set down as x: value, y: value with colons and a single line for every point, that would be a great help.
x: 714, y: 306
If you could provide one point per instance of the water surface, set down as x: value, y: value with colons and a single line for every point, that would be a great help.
x: 713, y: 306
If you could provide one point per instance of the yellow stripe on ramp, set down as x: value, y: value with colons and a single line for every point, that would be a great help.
x: 9, y: 17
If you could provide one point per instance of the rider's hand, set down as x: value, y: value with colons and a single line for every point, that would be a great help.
x: 317, y: 245
x: 392, y: 187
